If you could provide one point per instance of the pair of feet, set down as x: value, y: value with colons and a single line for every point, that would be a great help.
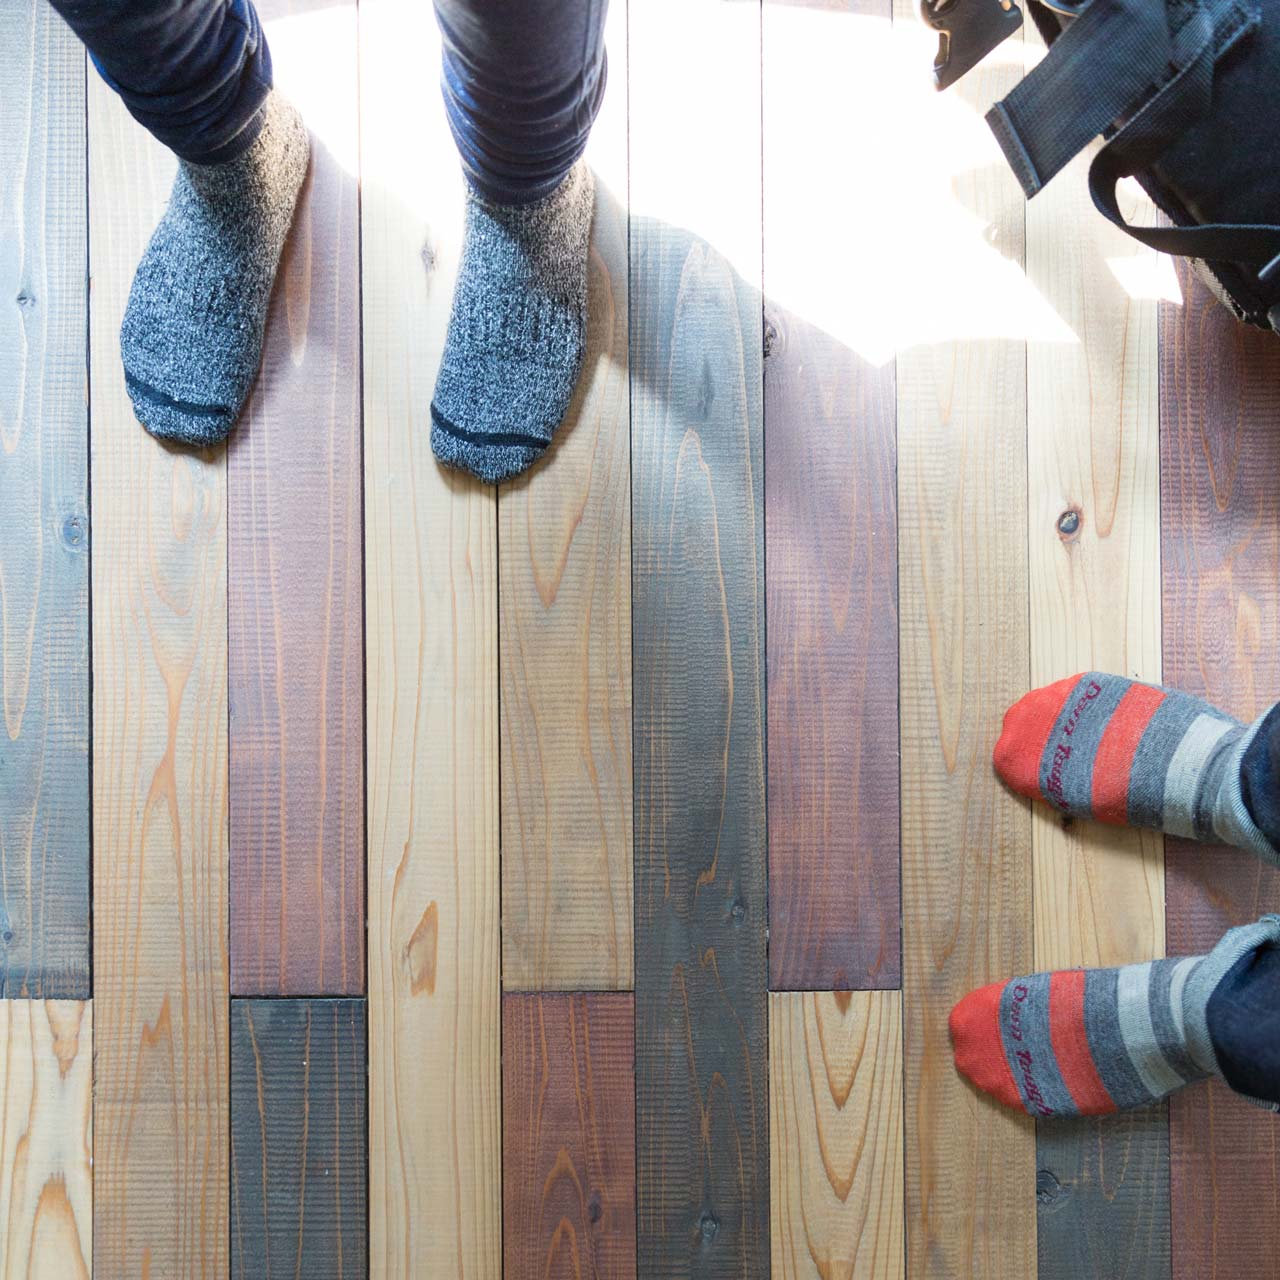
x: 192, y: 336
x: 1089, y: 1042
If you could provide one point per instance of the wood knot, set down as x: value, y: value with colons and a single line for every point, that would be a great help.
x: 1069, y: 524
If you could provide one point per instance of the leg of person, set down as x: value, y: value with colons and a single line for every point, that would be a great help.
x: 1093, y: 1041
x: 522, y: 86
x: 1115, y: 750
x: 197, y: 75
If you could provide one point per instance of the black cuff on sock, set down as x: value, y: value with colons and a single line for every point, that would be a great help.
x: 1244, y: 1024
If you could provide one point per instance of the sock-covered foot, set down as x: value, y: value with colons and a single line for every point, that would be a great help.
x: 191, y: 340
x: 1092, y: 1041
x: 517, y: 332
x: 1115, y: 750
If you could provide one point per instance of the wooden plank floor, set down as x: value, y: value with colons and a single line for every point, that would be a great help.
x: 574, y: 880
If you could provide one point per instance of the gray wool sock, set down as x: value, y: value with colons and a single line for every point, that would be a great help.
x: 517, y: 331
x: 191, y: 340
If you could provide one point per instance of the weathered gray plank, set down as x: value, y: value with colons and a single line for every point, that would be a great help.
x: 44, y: 517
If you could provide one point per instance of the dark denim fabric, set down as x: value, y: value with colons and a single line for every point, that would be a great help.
x: 523, y: 82
x: 1260, y: 776
x: 1244, y: 1024
x: 193, y: 72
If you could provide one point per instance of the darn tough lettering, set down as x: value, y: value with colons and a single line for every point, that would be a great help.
x: 1062, y: 752
x: 1026, y: 1063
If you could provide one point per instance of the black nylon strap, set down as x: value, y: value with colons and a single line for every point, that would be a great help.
x: 1110, y: 58
x: 1144, y: 137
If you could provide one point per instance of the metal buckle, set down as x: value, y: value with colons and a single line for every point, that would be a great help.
x: 967, y: 31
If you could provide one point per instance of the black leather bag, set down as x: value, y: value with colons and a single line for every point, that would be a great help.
x: 1187, y: 94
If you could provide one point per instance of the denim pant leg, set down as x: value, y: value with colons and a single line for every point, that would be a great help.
x: 1260, y: 777
x: 1244, y: 1024
x: 194, y: 73
x: 523, y: 82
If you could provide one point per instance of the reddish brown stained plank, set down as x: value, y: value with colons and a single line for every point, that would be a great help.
x: 830, y: 514
x: 832, y: 602
x: 1220, y: 456
x: 568, y: 1137
x: 295, y: 637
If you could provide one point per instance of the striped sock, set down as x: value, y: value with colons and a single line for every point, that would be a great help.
x: 1100, y: 746
x: 1092, y: 1041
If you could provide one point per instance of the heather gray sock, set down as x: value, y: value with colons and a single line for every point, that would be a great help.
x: 517, y: 331
x: 191, y: 340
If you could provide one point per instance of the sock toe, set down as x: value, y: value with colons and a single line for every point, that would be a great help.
x: 978, y: 1046
x: 1025, y: 733
x: 491, y: 458
x: 180, y: 422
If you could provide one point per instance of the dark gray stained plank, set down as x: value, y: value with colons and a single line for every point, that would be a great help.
x: 697, y: 626
x: 44, y: 515
x: 1102, y: 1197
x: 298, y: 1166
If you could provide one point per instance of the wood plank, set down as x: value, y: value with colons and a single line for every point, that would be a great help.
x: 697, y: 628
x: 564, y: 538
x: 295, y: 644
x: 830, y: 518
x: 1220, y: 402
x: 44, y: 513
x: 963, y: 602
x: 46, y: 1140
x: 298, y: 1171
x: 432, y: 678
x: 835, y: 1130
x: 1093, y: 455
x: 568, y: 1137
x: 159, y: 776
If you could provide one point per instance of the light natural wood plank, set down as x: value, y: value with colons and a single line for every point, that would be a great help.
x: 702, y: 1160
x: 830, y: 444
x: 431, y: 643
x: 46, y: 1140
x: 835, y: 1135
x: 1219, y: 406
x: 44, y: 515
x: 564, y: 536
x: 295, y: 645
x: 159, y: 777
x: 962, y: 555
x: 1093, y: 450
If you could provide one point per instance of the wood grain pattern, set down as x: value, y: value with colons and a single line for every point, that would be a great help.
x: 966, y: 842
x: 46, y: 1140
x: 1220, y: 402
x: 159, y: 777
x: 564, y: 537
x: 832, y: 573
x: 698, y: 666
x: 835, y: 1130
x: 568, y: 1137
x: 298, y: 1172
x: 1093, y: 450
x: 44, y: 516
x: 295, y: 656
x: 432, y: 678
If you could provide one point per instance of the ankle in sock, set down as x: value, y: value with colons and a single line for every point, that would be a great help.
x: 1093, y: 1041
x: 1116, y: 750
x: 517, y: 332
x: 191, y: 340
